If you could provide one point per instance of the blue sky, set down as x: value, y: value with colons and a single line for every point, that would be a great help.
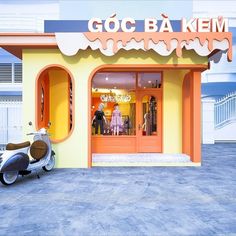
x: 83, y: 10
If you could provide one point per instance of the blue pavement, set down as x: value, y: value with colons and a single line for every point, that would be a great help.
x: 126, y: 201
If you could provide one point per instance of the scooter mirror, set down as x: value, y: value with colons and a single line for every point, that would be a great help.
x: 30, y: 123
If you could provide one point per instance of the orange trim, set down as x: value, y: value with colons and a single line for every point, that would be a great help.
x: 191, y: 129
x: 29, y: 45
x: 136, y: 80
x: 27, y: 34
x: 180, y: 37
x: 196, y: 116
x: 186, y: 115
x: 16, y: 50
x: 44, y: 84
x: 40, y: 73
x: 113, y: 136
x: 150, y: 68
x: 113, y: 144
x: 69, y: 102
x: 125, y: 37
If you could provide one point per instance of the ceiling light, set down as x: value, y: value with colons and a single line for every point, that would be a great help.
x: 149, y: 81
x: 144, y: 87
x: 106, y: 78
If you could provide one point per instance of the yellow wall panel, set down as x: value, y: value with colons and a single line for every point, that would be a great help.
x: 59, y: 104
x: 172, y: 111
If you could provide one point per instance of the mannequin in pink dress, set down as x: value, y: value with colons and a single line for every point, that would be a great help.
x: 116, y: 120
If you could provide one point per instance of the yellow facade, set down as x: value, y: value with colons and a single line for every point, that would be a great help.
x: 73, y: 152
x: 59, y: 106
x: 172, y: 110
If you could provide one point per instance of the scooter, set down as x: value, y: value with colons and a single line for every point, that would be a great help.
x: 16, y: 161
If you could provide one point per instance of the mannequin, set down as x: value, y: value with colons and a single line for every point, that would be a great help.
x: 116, y: 120
x: 99, y: 116
x: 147, y: 124
x: 127, y: 125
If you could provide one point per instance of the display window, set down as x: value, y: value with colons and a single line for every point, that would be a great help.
x: 55, y: 102
x: 114, y: 103
x: 149, y: 80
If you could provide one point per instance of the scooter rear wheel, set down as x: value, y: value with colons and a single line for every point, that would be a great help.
x: 8, y: 178
x: 50, y: 164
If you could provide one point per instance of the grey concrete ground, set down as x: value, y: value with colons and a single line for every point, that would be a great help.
x: 126, y: 201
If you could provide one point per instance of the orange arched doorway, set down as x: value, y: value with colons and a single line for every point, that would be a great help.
x: 147, y: 82
x: 55, y: 101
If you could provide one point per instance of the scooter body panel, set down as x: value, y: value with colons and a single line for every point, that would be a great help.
x: 17, y: 162
x: 45, y: 159
x: 8, y: 154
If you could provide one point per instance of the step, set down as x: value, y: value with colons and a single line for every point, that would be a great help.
x: 142, y: 159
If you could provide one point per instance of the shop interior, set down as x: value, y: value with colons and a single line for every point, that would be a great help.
x: 114, y: 103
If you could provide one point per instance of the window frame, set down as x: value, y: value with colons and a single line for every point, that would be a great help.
x: 38, y: 99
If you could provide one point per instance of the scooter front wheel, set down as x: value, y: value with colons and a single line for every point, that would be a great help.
x: 50, y: 164
x: 8, y: 178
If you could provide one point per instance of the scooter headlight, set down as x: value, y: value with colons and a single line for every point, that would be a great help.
x: 43, y: 131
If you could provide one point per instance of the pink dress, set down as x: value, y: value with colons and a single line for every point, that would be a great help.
x: 116, y: 119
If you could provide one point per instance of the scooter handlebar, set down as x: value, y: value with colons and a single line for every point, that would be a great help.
x: 38, y: 133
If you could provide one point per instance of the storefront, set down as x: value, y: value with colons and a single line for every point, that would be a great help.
x: 133, y: 111
x: 145, y: 85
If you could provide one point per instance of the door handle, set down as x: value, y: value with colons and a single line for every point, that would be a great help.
x: 139, y: 126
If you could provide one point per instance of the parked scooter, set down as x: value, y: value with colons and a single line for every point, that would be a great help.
x: 16, y: 161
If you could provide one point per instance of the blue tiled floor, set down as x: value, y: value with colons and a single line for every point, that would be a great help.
x: 126, y: 201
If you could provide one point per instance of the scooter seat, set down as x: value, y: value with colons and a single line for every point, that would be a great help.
x: 15, y: 146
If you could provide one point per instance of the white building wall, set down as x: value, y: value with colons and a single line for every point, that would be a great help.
x: 27, y: 16
x: 211, y: 133
x: 208, y: 126
x: 219, y: 72
x: 10, y: 122
x: 213, y: 8
x: 226, y: 133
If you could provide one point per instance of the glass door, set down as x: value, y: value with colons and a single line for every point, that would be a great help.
x: 149, y: 113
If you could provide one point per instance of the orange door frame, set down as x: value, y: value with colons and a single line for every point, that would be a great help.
x: 143, y: 142
x: 198, y: 68
x: 191, y: 121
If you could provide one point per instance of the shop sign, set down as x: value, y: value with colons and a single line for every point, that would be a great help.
x: 128, y: 24
x: 116, y: 98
